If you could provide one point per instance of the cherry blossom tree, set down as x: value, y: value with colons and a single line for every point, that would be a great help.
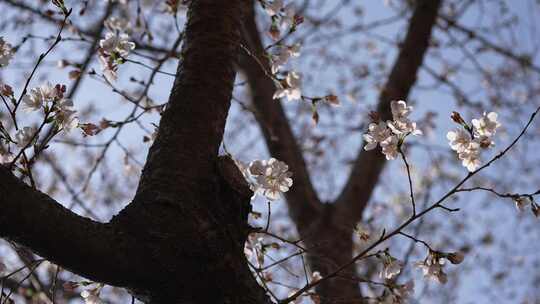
x: 266, y: 151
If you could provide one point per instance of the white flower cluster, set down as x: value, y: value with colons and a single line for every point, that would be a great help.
x: 272, y: 177
x: 432, y: 266
x: 269, y: 178
x: 469, y: 141
x: 115, y: 47
x: 391, y: 266
x: 290, y: 88
x: 52, y: 97
x: 282, y: 54
x: 24, y: 136
x: 390, y: 134
x: 283, y: 16
x: 6, y: 52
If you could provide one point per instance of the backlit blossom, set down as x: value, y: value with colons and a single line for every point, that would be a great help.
x: 469, y: 141
x: 38, y: 96
x: 391, y: 266
x: 24, y: 136
x: 113, y: 49
x: 291, y: 89
x: 116, y: 44
x: 271, y: 178
x: 33, y: 101
x: 390, y: 147
x: 6, y: 52
x: 401, y: 125
x: 400, y: 109
x: 432, y: 268
x: 487, y: 125
x: 377, y: 133
x: 282, y: 56
x: 390, y: 134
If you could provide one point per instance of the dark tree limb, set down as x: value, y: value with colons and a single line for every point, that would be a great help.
x: 181, y: 239
x: 35, y: 220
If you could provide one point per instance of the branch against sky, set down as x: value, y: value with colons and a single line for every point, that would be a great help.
x: 81, y: 245
x: 369, y: 164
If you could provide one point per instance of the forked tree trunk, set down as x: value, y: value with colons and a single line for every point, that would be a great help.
x: 181, y: 239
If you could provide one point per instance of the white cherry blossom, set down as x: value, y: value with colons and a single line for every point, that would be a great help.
x: 404, y: 127
x: 24, y: 136
x: 469, y: 141
x: 377, y: 133
x: 391, y: 266
x: 390, y: 147
x: 292, y: 89
x: 282, y: 56
x: 487, y: 125
x: 6, y: 52
x: 432, y: 268
x: 115, y: 43
x: 32, y: 101
x: 400, y: 109
x: 271, y: 178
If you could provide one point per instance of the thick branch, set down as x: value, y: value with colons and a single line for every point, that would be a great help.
x: 192, y: 126
x: 369, y: 164
x: 89, y: 248
x: 302, y: 199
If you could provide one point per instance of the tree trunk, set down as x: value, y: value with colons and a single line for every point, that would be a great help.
x: 182, y: 237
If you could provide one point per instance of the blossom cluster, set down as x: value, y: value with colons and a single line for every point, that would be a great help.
x: 114, y: 49
x: 469, y: 140
x: 522, y: 201
x: 51, y: 99
x: 391, y: 266
x: 283, y: 16
x: 271, y: 177
x: 432, y: 266
x: 6, y: 52
x: 268, y: 178
x: 390, y: 134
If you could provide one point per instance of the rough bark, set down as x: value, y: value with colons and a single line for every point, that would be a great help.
x: 327, y: 228
x: 181, y: 239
